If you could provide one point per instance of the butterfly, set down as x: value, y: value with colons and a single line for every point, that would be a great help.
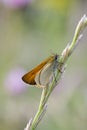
x: 41, y: 74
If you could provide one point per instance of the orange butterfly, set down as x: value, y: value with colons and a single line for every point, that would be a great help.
x: 41, y: 74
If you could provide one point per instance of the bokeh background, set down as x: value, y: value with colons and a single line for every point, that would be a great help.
x: 30, y: 31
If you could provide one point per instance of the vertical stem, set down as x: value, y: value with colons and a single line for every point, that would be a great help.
x: 40, y: 109
x: 62, y: 59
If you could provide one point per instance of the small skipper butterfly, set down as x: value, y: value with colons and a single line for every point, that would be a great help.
x: 41, y: 74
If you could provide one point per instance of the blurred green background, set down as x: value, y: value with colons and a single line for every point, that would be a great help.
x: 30, y: 31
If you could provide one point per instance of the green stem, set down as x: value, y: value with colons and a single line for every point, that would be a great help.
x: 40, y: 109
x: 62, y: 60
x: 44, y: 98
